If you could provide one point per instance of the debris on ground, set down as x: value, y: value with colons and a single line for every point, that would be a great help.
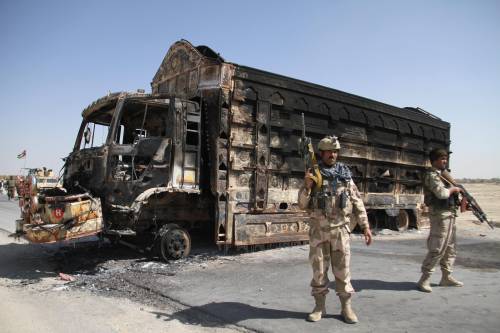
x: 60, y: 288
x: 66, y: 277
x: 385, y: 232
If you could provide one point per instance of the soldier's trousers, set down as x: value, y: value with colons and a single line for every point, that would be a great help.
x: 330, y: 247
x: 441, y: 244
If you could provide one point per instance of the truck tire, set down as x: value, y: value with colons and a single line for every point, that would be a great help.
x: 402, y: 220
x: 175, y: 243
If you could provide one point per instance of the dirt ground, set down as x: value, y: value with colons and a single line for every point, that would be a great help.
x: 488, y: 196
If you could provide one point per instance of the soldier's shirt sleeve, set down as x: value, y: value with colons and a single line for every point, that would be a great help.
x: 436, y: 186
x: 359, y: 210
x: 304, y: 197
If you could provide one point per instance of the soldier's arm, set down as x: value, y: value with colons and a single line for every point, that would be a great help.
x: 358, y: 206
x: 305, y: 190
x: 436, y: 186
x: 360, y: 211
x: 304, y: 197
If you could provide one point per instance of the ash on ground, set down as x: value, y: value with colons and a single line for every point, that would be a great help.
x: 114, y: 270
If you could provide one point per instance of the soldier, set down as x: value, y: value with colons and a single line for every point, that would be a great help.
x: 441, y: 243
x: 331, y: 210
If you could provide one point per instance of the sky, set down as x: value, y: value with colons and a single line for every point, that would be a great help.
x: 56, y: 57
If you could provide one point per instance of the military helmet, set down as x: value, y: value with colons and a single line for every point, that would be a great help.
x: 437, y: 153
x: 329, y: 143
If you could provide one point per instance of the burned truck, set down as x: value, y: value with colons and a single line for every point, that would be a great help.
x: 215, y: 146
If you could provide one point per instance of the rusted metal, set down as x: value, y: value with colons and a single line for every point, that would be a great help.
x: 48, y: 215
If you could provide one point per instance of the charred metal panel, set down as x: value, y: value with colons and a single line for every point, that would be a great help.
x: 262, y: 154
x: 293, y: 164
x: 355, y: 150
x: 410, y: 181
x: 374, y: 120
x: 243, y: 136
x: 408, y: 200
x: 379, y: 137
x: 352, y: 133
x: 356, y: 115
x: 243, y: 114
x: 221, y: 230
x: 379, y: 200
x: 270, y: 228
x: 242, y: 93
x: 242, y: 149
x: 223, y: 159
x: 412, y: 143
x: 413, y: 158
x: 222, y: 165
x: 386, y: 155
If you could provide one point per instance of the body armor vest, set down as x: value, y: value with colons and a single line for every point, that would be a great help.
x: 431, y: 200
x: 327, y: 198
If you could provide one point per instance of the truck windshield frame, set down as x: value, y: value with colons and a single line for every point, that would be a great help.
x: 99, y: 125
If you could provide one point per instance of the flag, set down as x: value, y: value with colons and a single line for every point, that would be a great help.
x: 22, y: 155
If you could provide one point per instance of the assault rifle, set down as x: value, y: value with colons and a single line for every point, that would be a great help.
x: 468, y: 201
x: 306, y: 151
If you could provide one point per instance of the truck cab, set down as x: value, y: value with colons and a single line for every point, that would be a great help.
x: 136, y: 152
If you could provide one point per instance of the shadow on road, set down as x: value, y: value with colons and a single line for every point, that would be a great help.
x: 360, y: 285
x: 26, y: 262
x: 218, y: 314
x: 32, y: 262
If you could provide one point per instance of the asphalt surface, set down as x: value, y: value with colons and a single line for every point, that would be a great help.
x: 268, y: 291
x: 9, y: 212
x: 270, y: 294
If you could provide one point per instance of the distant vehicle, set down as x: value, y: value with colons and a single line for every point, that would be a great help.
x: 10, y: 187
x: 2, y: 187
x: 215, y: 147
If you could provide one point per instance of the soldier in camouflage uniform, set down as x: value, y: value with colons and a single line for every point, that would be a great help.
x: 331, y: 210
x: 442, y: 202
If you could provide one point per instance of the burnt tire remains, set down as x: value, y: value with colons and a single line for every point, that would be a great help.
x: 175, y: 243
x: 401, y: 221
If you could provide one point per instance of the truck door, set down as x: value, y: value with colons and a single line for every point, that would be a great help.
x: 86, y: 165
x: 140, y: 152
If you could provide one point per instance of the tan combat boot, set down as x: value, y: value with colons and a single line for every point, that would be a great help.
x: 424, y: 284
x: 319, y: 308
x: 449, y: 281
x: 347, y: 313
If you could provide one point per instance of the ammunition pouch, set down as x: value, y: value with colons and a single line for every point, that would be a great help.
x: 321, y: 200
x: 328, y: 201
x: 432, y: 201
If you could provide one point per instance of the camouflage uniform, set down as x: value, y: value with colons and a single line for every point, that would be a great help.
x: 442, y: 213
x: 329, y: 234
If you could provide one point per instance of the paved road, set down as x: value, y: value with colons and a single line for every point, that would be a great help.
x: 270, y: 294
x: 9, y: 212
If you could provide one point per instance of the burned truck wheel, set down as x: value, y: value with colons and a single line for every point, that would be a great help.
x: 175, y: 243
x: 402, y: 220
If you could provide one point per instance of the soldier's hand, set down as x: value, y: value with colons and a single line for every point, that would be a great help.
x: 308, y: 179
x: 455, y: 189
x: 368, y: 236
